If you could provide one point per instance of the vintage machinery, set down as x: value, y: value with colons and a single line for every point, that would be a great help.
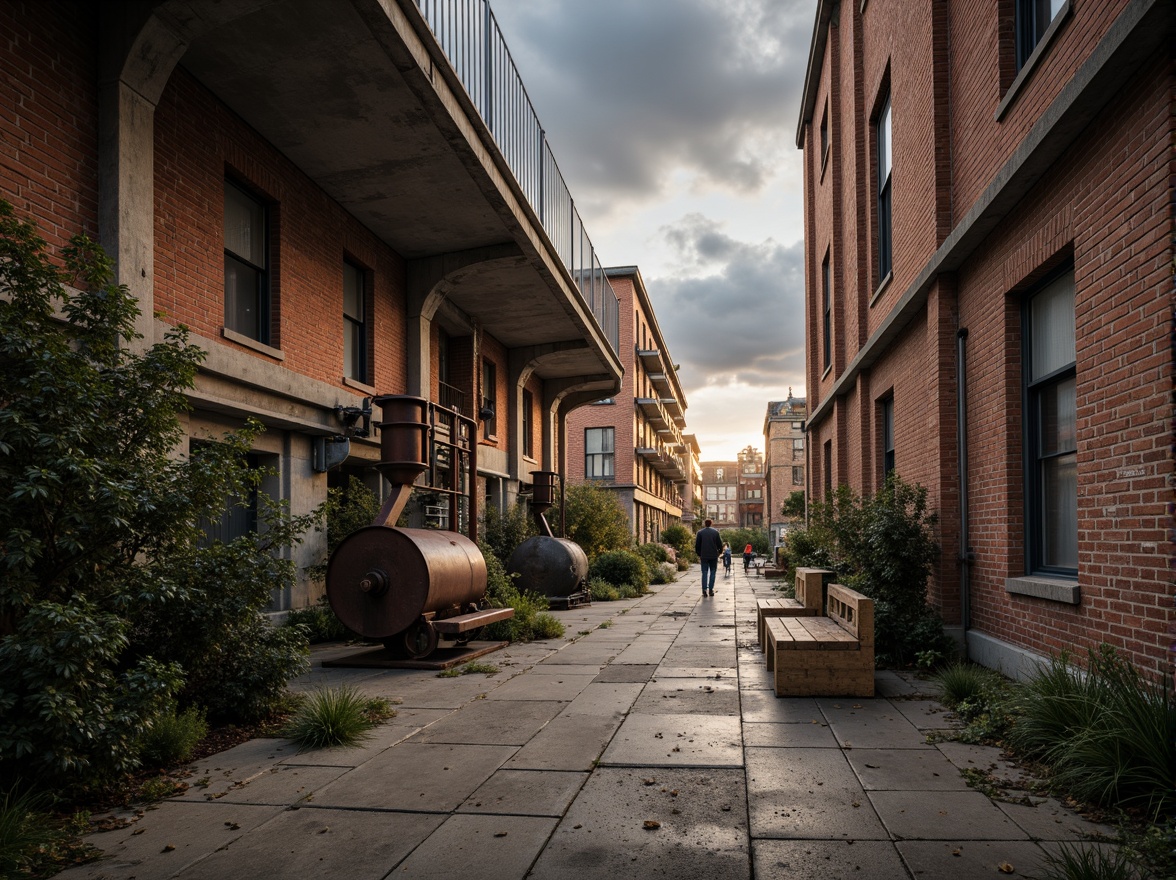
x: 411, y: 587
x: 553, y: 567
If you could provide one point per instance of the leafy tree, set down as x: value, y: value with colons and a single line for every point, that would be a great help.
x: 741, y: 537
x: 99, y: 520
x: 595, y: 520
x: 503, y: 531
x: 793, y: 507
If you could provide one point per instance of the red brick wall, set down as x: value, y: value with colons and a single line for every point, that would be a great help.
x: 198, y: 142
x: 49, y: 116
x: 1106, y: 205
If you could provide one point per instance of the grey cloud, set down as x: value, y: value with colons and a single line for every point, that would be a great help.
x: 630, y: 91
x: 742, y: 321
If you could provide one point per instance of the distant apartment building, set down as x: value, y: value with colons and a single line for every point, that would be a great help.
x: 784, y: 460
x: 988, y: 261
x: 692, y: 504
x: 632, y: 442
x: 331, y: 205
x: 720, y: 493
x: 751, y: 488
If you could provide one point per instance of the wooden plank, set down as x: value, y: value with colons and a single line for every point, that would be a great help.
x: 465, y: 622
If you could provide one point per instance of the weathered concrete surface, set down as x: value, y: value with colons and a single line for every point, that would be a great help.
x: 550, y: 768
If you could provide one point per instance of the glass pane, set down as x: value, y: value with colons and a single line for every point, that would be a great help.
x: 353, y: 292
x: 1057, y: 405
x: 1059, y: 530
x: 241, y: 300
x: 244, y: 226
x: 1051, y: 320
x: 592, y: 441
x: 608, y: 465
x: 353, y: 352
x: 884, y: 138
x: 607, y: 437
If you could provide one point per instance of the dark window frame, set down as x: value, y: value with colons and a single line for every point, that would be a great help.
x: 826, y: 313
x: 605, y: 458
x: 528, y: 405
x: 357, y: 328
x: 1034, y: 391
x: 490, y: 399
x: 884, y: 208
x: 262, y: 294
x: 886, y: 432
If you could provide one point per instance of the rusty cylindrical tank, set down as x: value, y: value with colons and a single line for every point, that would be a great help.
x: 549, y: 566
x: 381, y: 580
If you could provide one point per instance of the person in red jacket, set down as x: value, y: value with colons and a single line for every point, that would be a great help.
x: 748, y: 555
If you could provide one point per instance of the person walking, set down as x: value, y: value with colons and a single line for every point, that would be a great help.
x: 708, y: 544
x: 748, y: 555
x: 726, y: 560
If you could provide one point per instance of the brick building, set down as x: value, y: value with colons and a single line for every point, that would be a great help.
x: 751, y: 487
x: 988, y: 240
x: 315, y: 190
x: 720, y: 493
x: 784, y: 460
x: 632, y: 443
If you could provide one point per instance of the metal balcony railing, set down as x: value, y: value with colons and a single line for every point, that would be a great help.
x: 468, y: 34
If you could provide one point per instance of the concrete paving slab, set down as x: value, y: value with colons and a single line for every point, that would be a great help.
x: 986, y: 758
x: 889, y: 684
x: 949, y: 815
x: 788, y: 736
x: 389, y: 733
x: 426, y: 691
x: 492, y: 722
x: 701, y: 829
x: 319, y: 843
x: 604, y: 699
x: 905, y: 770
x: 758, y: 706
x: 566, y: 669
x: 561, y: 688
x: 926, y: 714
x: 807, y: 794
x: 966, y: 859
x: 568, y: 742
x: 680, y: 696
x: 685, y: 654
x: 629, y: 673
x: 643, y: 651
x: 676, y: 741
x: 283, y: 785
x: 416, y: 776
x: 585, y: 652
x: 485, y: 847
x: 191, y: 830
x: 754, y: 677
x: 718, y: 673
x: 1048, y: 819
x: 871, y: 724
x: 525, y: 793
x: 827, y: 860
x: 216, y: 774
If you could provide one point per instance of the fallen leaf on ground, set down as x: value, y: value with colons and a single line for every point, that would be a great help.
x: 651, y: 825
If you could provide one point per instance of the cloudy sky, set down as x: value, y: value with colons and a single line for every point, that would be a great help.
x: 674, y: 124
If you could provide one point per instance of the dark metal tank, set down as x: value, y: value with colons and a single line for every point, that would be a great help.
x: 549, y: 566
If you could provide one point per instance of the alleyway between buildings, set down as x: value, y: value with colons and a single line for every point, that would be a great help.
x: 646, y: 743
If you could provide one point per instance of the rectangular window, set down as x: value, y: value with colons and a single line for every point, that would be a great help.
x: 598, y: 453
x: 887, y: 436
x: 798, y: 476
x: 826, y: 313
x: 882, y: 138
x: 247, y: 293
x: 489, y: 399
x: 528, y: 441
x: 825, y: 135
x: 355, y: 359
x: 828, y: 465
x: 1051, y: 387
x: 1033, y: 17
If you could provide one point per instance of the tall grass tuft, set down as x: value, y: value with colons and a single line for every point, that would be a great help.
x: 1073, y: 862
x: 964, y: 683
x: 1108, y: 733
x: 172, y: 738
x: 23, y: 828
x: 331, y: 717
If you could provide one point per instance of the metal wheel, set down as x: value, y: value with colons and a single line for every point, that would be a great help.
x: 414, y: 643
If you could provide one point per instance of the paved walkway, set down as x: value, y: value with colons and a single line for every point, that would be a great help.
x: 655, y: 710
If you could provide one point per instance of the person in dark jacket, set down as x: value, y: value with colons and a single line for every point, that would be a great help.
x: 708, y: 544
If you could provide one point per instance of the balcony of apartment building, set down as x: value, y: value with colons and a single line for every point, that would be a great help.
x: 410, y: 115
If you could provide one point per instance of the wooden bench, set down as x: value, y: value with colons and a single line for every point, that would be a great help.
x: 830, y: 656
x: 809, y: 601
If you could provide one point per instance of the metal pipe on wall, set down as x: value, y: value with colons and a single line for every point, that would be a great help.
x: 965, y: 552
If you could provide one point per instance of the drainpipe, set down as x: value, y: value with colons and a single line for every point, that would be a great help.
x: 965, y: 553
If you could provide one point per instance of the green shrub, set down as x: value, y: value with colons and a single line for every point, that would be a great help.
x: 652, y: 554
x: 662, y: 573
x: 319, y: 622
x: 347, y: 509
x: 620, y: 567
x: 503, y: 531
x: 741, y: 537
x: 1089, y: 862
x: 172, y: 737
x: 24, y: 829
x: 1108, y: 733
x: 680, y: 538
x: 602, y: 591
x: 594, y: 519
x: 546, y: 626
x: 528, y: 619
x: 966, y: 684
x: 331, y: 717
